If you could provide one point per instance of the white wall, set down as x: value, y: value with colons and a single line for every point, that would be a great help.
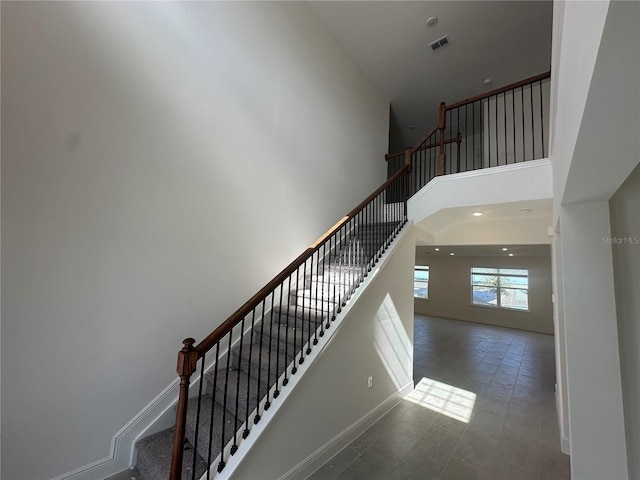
x: 375, y: 340
x: 562, y: 401
x: 577, y: 32
x: 529, y: 230
x: 595, y: 146
x: 160, y: 163
x: 625, y: 230
x: 598, y: 448
x: 512, y: 183
x: 450, y: 291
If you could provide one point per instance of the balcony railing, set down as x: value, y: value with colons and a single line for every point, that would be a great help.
x: 501, y: 127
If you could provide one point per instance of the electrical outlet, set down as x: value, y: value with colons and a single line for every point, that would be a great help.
x: 370, y: 382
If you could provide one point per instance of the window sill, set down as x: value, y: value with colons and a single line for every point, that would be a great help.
x: 495, y: 307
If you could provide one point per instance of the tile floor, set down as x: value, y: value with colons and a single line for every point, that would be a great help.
x: 483, y: 408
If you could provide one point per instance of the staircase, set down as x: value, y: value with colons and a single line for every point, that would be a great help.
x: 235, y: 393
x: 246, y: 362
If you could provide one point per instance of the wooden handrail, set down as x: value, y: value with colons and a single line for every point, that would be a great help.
x: 387, y: 156
x: 497, y: 91
x: 424, y: 139
x: 214, y: 337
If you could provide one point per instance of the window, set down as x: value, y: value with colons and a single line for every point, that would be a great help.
x: 500, y: 287
x: 421, y: 281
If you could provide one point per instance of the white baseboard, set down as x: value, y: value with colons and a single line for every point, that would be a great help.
x: 322, y: 455
x: 156, y: 416
x: 565, y: 446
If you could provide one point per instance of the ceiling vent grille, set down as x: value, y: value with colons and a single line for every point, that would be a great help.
x: 441, y: 42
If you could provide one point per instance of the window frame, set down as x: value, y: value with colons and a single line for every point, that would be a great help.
x: 423, y: 268
x: 499, y: 273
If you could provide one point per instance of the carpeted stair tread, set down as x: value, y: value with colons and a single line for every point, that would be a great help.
x: 289, y: 338
x: 260, y: 366
x: 246, y: 383
x: 294, y: 315
x: 154, y: 457
x: 204, y: 423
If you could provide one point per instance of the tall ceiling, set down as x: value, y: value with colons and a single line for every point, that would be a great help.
x: 504, y: 41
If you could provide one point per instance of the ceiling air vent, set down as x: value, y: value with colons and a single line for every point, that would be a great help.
x: 441, y: 42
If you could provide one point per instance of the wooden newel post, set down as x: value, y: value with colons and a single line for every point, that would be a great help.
x: 187, y: 359
x: 442, y: 124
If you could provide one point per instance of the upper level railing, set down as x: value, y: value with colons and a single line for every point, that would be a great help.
x: 250, y: 357
x: 501, y: 127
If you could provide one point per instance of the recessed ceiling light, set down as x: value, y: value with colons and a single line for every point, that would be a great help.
x: 452, y: 253
x: 437, y: 249
x: 511, y: 254
x: 477, y: 214
x: 487, y: 81
x: 431, y: 22
x: 505, y: 249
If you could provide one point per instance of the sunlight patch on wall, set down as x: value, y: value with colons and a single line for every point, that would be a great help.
x: 392, y: 343
x: 451, y: 401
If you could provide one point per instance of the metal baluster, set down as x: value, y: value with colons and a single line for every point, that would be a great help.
x: 325, y: 282
x: 195, y: 445
x: 504, y: 108
x: 321, y: 297
x: 533, y: 135
x: 418, y: 169
x: 340, y: 268
x: 286, y: 336
x: 213, y: 402
x: 449, y: 153
x: 466, y: 136
x: 276, y: 392
x: 482, y: 127
x: 256, y: 419
x: 222, y: 463
x: 541, y: 120
x: 295, y: 320
x: 234, y: 448
x: 432, y: 161
x: 524, y: 153
x: 267, y: 404
x: 253, y: 326
x: 380, y: 225
x: 497, y: 151
x: 488, y: 132
x: 513, y: 111
x: 304, y: 288
x: 311, y: 301
x: 458, y: 116
x: 333, y: 276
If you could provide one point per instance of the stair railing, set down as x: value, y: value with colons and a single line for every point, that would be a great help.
x: 500, y: 127
x: 250, y: 357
